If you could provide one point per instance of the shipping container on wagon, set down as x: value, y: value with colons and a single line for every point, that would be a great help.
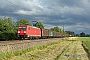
x: 67, y: 35
x: 46, y: 33
x: 57, y: 34
x: 28, y: 31
x: 60, y: 34
x: 51, y: 33
x: 54, y: 33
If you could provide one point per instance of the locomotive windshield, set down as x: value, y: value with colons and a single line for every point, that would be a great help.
x: 22, y: 28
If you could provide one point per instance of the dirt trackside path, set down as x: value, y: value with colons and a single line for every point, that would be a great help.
x: 65, y: 50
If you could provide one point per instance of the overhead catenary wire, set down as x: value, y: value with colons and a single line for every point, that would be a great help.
x: 16, y: 5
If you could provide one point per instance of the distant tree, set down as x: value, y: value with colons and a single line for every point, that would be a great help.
x: 82, y: 34
x: 87, y: 35
x: 22, y: 21
x: 52, y: 29
x: 77, y: 35
x: 57, y: 29
x: 39, y: 25
x: 70, y: 33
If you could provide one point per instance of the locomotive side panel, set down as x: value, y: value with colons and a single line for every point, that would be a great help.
x: 33, y: 31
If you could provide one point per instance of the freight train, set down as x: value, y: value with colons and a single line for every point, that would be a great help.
x: 27, y: 31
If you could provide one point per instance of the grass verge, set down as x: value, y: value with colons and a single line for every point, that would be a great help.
x: 86, y: 44
x: 86, y: 48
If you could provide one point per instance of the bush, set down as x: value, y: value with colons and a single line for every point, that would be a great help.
x: 7, y: 36
x: 2, y: 37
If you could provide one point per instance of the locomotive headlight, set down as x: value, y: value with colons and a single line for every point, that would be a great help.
x: 24, y: 31
x: 18, y: 31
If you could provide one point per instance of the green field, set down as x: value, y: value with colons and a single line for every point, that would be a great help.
x: 84, y: 38
x: 86, y: 41
x: 86, y: 44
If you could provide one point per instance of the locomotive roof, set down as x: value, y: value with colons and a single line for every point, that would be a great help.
x: 24, y: 25
x: 27, y: 25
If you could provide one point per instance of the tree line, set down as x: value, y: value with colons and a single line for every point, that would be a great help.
x: 82, y: 34
x: 8, y: 28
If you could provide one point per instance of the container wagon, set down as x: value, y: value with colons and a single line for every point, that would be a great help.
x: 46, y: 33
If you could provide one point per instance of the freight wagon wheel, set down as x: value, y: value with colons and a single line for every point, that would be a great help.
x: 30, y: 38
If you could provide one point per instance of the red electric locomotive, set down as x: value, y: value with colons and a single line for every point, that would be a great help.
x: 27, y: 31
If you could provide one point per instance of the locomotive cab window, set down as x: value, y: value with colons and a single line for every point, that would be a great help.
x: 22, y: 28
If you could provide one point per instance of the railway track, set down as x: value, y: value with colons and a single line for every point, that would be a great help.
x: 22, y: 44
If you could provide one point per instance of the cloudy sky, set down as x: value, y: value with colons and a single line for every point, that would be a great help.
x: 75, y: 14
